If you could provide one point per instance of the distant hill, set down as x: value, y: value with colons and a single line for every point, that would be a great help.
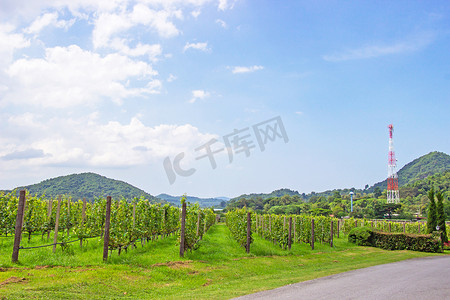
x: 204, y: 202
x: 420, y: 168
x: 276, y: 193
x: 89, y: 185
x: 440, y: 181
x: 415, y: 178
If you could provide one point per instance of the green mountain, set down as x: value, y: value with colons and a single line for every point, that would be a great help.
x: 420, y: 168
x: 415, y: 179
x: 89, y: 185
x: 276, y: 193
x: 204, y: 202
x: 420, y: 188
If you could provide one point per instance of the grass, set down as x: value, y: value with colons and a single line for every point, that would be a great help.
x: 218, y: 269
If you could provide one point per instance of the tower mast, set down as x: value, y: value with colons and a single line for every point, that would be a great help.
x: 393, y: 195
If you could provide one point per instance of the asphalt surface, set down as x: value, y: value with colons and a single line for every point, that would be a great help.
x: 420, y: 278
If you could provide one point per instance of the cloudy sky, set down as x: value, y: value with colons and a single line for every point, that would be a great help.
x: 221, y: 97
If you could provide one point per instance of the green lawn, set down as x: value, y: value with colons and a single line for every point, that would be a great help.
x: 218, y: 269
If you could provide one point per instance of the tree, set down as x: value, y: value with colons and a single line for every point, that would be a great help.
x: 377, y: 192
x: 441, y: 215
x: 431, y: 219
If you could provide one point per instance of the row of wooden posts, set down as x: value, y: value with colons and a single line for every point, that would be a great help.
x: 249, y: 232
x: 20, y: 216
x: 19, y: 225
x: 183, y: 228
x: 247, y: 247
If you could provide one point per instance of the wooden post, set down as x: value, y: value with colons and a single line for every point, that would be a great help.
x: 264, y: 226
x: 107, y: 224
x: 83, y: 215
x: 84, y: 210
x: 49, y: 215
x: 404, y: 227
x: 338, y: 227
x: 295, y: 227
x: 331, y: 234
x: 18, y: 229
x: 204, y: 226
x: 300, y: 231
x: 163, y: 218
x: 312, y: 234
x: 249, y: 231
x: 419, y: 227
x: 55, y: 237
x: 270, y: 224
x: 389, y: 226
x: 134, y: 214
x: 356, y: 223
x: 68, y: 217
x: 198, y: 223
x: 290, y: 233
x: 322, y: 237
x: 182, y: 229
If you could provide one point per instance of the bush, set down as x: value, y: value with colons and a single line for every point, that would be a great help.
x: 362, y: 236
x: 402, y: 241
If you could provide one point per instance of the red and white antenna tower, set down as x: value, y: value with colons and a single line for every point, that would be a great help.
x: 393, y: 195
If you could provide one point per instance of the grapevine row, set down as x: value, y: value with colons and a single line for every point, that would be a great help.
x: 130, y: 221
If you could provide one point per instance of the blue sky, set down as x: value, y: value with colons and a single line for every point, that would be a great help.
x: 119, y: 87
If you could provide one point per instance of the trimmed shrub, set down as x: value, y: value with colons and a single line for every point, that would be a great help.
x: 401, y: 241
x: 362, y: 236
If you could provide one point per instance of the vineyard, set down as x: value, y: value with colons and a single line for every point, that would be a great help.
x: 285, y: 230
x: 124, y: 224
x: 129, y: 222
x: 144, y: 239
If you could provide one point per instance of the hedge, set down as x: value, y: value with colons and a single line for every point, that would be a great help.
x: 364, y: 236
x: 404, y: 241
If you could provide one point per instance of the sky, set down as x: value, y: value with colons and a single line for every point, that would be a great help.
x: 220, y: 98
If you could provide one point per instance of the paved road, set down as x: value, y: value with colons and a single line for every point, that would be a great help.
x: 421, y: 278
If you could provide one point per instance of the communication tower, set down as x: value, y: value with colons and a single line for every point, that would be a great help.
x: 393, y: 195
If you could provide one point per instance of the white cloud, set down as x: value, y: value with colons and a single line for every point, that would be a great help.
x: 110, y: 24
x: 28, y: 10
x: 69, y: 76
x: 226, y: 4
x: 197, y: 46
x: 151, y: 51
x: 240, y: 69
x: 86, y: 142
x: 299, y: 113
x: 107, y: 25
x: 196, y: 13
x: 9, y: 42
x: 171, y: 78
x: 222, y: 23
x: 372, y: 51
x: 46, y: 20
x: 198, y: 94
x: 158, y: 20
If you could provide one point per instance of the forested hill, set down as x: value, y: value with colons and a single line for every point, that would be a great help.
x: 89, y: 185
x: 203, y: 202
x: 416, y: 178
x: 276, y: 193
x: 440, y: 181
x: 420, y: 168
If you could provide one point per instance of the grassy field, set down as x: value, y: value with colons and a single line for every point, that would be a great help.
x: 218, y: 269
